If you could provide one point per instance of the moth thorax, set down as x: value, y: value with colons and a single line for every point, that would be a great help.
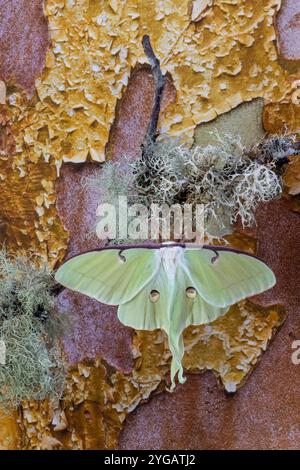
x: 191, y: 292
x: 170, y: 259
x: 154, y: 296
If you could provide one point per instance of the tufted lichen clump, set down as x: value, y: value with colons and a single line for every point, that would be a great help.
x: 229, y: 180
x: 31, y: 367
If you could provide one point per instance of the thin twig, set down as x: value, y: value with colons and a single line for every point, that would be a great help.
x: 160, y: 82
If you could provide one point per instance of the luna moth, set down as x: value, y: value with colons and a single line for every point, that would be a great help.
x: 167, y: 286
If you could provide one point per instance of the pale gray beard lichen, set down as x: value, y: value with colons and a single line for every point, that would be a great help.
x: 226, y: 178
x: 29, y: 328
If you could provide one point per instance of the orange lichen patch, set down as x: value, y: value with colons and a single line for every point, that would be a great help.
x: 232, y: 345
x: 10, y: 432
x: 284, y: 115
x: 242, y: 241
x: 97, y: 400
x: 200, y: 9
x: 27, y: 212
x: 278, y: 117
x: 78, y: 422
x: 215, y: 64
x: 292, y: 175
x: 7, y: 141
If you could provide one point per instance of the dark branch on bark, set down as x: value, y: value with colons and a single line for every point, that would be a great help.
x: 160, y: 82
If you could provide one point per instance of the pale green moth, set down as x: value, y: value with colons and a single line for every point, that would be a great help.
x: 167, y: 286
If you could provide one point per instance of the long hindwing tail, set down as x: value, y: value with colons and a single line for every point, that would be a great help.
x: 189, y: 308
x: 169, y: 304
